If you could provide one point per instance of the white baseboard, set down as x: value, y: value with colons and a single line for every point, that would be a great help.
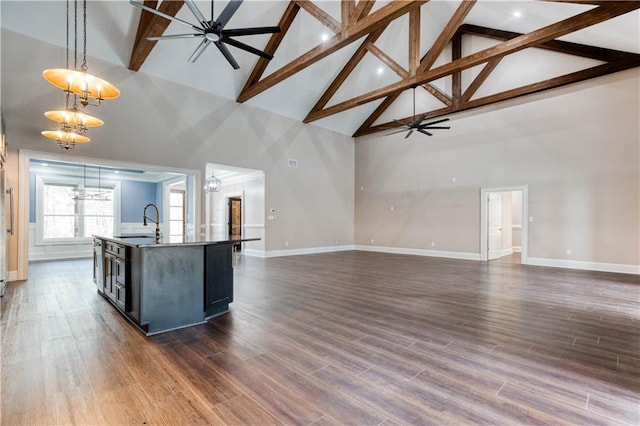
x: 60, y: 256
x: 506, y: 252
x: 254, y: 253
x: 310, y: 250
x: 589, y: 266
x: 421, y: 252
x: 517, y: 249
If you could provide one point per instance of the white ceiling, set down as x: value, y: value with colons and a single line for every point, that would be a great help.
x: 112, y: 27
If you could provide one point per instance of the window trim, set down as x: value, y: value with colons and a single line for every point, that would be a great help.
x: 78, y: 182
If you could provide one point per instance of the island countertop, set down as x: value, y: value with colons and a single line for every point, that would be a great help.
x: 166, y: 285
x: 149, y: 241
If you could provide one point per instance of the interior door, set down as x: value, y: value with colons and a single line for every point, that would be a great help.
x: 494, y: 207
x: 235, y: 220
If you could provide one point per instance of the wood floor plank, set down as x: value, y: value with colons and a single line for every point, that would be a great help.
x: 334, y: 338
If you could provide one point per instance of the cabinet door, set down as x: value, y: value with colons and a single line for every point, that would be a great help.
x: 218, y: 288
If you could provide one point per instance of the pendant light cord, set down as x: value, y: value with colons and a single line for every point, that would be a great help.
x: 75, y: 32
x: 84, y: 35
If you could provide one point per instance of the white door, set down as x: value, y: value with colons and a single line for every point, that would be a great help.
x: 494, y: 207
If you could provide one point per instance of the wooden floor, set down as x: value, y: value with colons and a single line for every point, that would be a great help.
x: 339, y: 338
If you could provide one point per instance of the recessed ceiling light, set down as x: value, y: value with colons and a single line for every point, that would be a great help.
x: 517, y: 14
x: 116, y: 171
x: 44, y: 164
x: 380, y: 70
x: 325, y: 36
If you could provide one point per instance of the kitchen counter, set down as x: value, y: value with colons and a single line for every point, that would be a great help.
x: 166, y: 285
x: 149, y: 241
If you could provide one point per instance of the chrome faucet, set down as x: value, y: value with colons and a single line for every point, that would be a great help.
x: 157, y: 221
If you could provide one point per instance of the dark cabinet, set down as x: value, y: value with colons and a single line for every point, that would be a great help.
x: 218, y: 279
x: 117, y: 274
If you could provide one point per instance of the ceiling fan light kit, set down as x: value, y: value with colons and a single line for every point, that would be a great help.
x: 79, y: 87
x: 212, y: 31
x: 417, y: 123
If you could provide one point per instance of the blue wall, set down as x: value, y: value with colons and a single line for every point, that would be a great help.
x: 133, y: 197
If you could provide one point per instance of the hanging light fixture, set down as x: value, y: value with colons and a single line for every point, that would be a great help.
x: 65, y: 139
x: 93, y: 193
x: 72, y: 119
x: 78, y: 81
x: 212, y: 184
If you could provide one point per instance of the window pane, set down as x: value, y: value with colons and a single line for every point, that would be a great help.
x: 176, y: 198
x: 59, y: 226
x: 58, y: 199
x: 175, y: 227
x: 175, y: 213
x: 100, y: 207
x: 98, y: 225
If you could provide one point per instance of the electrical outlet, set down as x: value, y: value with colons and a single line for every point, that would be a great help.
x: 530, y: 218
x: 433, y: 243
x: 372, y: 241
x: 286, y: 243
x: 568, y: 252
x: 391, y: 208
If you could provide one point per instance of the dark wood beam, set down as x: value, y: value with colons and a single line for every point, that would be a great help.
x: 387, y: 60
x: 414, y: 41
x: 274, y: 42
x: 376, y: 20
x: 480, y: 78
x: 145, y: 17
x: 362, y: 9
x: 151, y: 25
x: 445, y: 35
x: 456, y: 76
x: 364, y: 127
x: 429, y: 58
x: 322, y: 16
x: 583, y: 20
x: 597, y: 71
x: 347, y: 70
x: 576, y: 49
x: 346, y: 12
x: 438, y: 94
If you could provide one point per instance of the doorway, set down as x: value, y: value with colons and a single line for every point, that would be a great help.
x: 504, y: 228
x: 235, y: 220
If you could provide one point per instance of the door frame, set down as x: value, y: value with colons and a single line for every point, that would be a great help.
x: 484, y: 219
x: 227, y: 197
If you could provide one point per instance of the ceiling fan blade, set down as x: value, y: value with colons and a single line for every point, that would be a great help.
x: 246, y: 47
x: 201, y: 47
x: 436, y: 122
x: 396, y: 132
x: 174, y: 36
x: 435, y: 127
x: 196, y: 12
x: 228, y: 12
x: 425, y: 132
x: 227, y: 54
x: 164, y: 15
x: 409, y: 134
x: 249, y: 31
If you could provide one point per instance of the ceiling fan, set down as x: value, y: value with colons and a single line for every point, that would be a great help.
x: 212, y: 31
x: 417, y: 124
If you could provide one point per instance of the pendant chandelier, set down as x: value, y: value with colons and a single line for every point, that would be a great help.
x: 95, y: 194
x: 79, y: 87
x: 212, y: 184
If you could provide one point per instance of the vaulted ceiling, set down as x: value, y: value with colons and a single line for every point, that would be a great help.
x: 350, y: 65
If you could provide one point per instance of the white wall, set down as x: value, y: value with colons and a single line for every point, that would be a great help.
x: 576, y: 147
x: 161, y: 123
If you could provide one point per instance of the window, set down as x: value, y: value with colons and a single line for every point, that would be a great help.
x: 176, y: 215
x: 62, y: 218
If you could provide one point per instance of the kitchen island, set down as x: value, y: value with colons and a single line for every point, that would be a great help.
x: 164, y: 285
